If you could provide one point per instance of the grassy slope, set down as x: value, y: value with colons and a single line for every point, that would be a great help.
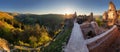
x: 59, y: 43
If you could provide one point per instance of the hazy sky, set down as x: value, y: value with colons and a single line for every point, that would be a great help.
x: 56, y: 6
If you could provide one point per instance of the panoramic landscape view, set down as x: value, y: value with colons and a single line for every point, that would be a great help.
x: 60, y: 26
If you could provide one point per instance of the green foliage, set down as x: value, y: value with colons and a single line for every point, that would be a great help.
x: 33, y: 30
x: 99, y: 22
x: 5, y: 31
x: 51, y: 21
x: 33, y: 41
x: 57, y: 45
x: 30, y: 35
x: 35, y: 35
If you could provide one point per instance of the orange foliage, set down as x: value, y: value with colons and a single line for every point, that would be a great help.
x: 5, y: 15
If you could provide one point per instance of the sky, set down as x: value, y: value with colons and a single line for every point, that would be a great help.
x: 57, y: 6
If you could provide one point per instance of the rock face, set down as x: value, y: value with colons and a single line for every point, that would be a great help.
x: 111, y: 15
x: 112, y: 6
x: 105, y: 16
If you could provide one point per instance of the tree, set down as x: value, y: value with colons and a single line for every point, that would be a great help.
x: 44, y: 38
x: 33, y: 41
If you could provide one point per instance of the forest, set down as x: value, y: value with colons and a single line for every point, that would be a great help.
x: 30, y: 30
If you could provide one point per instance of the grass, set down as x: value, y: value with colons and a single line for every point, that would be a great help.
x: 59, y: 43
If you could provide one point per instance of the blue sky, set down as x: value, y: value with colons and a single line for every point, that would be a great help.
x: 57, y: 6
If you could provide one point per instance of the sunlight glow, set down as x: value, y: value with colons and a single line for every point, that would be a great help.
x: 68, y: 11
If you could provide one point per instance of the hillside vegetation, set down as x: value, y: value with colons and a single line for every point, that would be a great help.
x: 52, y: 22
x: 5, y: 15
x: 30, y: 30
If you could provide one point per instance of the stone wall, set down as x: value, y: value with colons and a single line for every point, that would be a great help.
x: 103, y: 43
x: 86, y: 29
x: 90, y: 29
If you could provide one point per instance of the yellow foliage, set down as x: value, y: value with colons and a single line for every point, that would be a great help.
x: 5, y: 15
x: 22, y: 43
x: 6, y: 25
x: 19, y: 29
x: 33, y: 38
x: 44, y: 38
x: 56, y: 32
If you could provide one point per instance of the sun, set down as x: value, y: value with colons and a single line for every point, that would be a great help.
x: 68, y: 11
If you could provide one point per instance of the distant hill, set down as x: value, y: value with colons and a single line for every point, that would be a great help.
x: 52, y: 22
x: 49, y: 20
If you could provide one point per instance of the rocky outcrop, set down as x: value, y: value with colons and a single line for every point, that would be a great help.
x: 111, y: 15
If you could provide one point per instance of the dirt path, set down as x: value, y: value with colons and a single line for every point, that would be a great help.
x: 76, y: 42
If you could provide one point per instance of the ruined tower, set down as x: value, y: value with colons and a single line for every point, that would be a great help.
x: 91, y: 16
